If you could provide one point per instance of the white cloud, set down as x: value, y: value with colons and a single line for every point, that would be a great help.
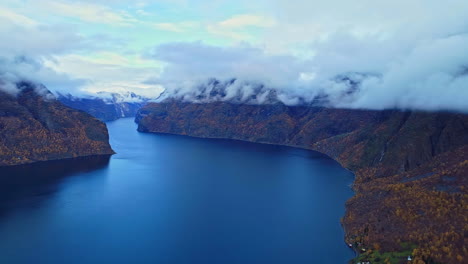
x: 88, y: 12
x: 24, y: 36
x: 235, y: 27
x: 403, y: 54
x: 303, y: 22
x: 18, y: 19
x: 238, y: 27
x: 426, y: 75
x: 15, y: 69
x: 107, y: 71
x: 198, y: 62
x: 33, y: 51
x: 178, y: 27
x: 247, y: 20
x: 406, y: 54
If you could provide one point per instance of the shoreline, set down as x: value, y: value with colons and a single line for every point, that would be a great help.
x: 356, y: 254
x: 394, y: 210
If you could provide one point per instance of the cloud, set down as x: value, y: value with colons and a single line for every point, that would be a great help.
x: 301, y: 23
x: 24, y: 36
x: 236, y: 27
x: 89, y: 12
x: 107, y: 71
x: 42, y: 40
x: 430, y: 77
x: 359, y: 54
x: 191, y: 68
x: 18, y: 19
x: 241, y: 21
x: 17, y: 69
x: 194, y: 62
x: 33, y: 51
x: 178, y: 27
x: 25, y: 46
x: 348, y: 70
x: 239, y: 27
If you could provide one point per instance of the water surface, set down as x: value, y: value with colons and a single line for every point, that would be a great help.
x: 172, y: 199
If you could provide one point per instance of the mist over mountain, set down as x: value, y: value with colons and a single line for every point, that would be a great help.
x: 244, y: 92
x: 15, y: 69
x: 106, y: 106
x: 366, y: 74
x: 379, y: 86
x: 393, y: 55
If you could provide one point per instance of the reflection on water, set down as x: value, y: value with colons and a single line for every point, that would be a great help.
x: 28, y: 185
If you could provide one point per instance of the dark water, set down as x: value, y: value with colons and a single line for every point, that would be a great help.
x: 172, y: 199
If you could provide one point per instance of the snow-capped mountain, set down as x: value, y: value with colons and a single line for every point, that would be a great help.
x: 106, y: 106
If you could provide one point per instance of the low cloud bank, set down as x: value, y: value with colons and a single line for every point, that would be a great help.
x: 353, y: 54
x: 348, y: 54
x: 346, y: 72
x: 14, y: 70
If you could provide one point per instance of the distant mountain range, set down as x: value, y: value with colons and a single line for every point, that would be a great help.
x: 106, y: 106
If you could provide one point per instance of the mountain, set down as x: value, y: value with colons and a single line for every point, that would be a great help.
x: 34, y: 126
x: 106, y: 106
x: 230, y: 90
x: 410, y: 167
x: 248, y: 92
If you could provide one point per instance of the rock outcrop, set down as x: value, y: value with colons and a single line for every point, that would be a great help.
x: 34, y: 126
x: 411, y: 167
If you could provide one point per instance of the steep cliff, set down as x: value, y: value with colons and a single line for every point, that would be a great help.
x: 411, y: 167
x: 34, y: 126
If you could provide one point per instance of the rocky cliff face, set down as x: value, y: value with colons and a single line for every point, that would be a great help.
x: 36, y: 127
x: 411, y: 167
x: 109, y: 108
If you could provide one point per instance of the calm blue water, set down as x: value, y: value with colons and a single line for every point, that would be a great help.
x: 172, y: 199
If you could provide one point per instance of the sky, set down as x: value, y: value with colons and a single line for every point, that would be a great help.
x: 407, y: 54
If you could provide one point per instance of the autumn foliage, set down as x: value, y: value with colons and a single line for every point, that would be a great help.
x: 34, y: 128
x: 411, y: 167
